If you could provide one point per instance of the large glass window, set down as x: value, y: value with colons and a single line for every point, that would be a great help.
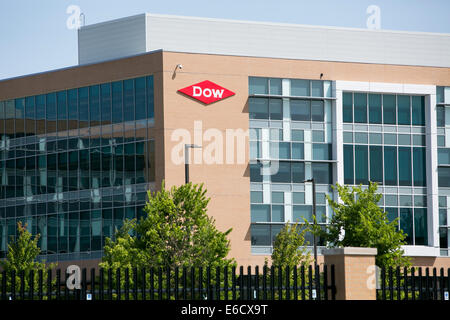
x: 361, y: 165
x: 347, y: 105
x: 348, y: 164
x: 300, y: 110
x: 389, y: 109
x: 404, y: 110
x: 376, y: 161
x: 360, y: 107
x: 404, y: 166
x: 375, y: 108
x: 390, y: 168
x: 418, y: 110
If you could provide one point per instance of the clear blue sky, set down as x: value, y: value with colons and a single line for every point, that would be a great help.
x: 34, y: 36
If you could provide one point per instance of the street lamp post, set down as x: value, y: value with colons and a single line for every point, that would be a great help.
x: 315, y: 220
x: 186, y: 160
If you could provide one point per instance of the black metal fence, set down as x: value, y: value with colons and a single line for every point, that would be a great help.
x: 414, y: 284
x: 266, y: 283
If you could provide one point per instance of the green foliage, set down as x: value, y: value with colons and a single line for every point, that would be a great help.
x: 289, y: 248
x: 358, y: 221
x: 176, y: 232
x: 21, y: 258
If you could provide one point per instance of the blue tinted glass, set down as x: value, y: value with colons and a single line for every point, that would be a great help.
x: 347, y: 106
x: 300, y: 110
x: 361, y: 165
x: 275, y: 86
x: 419, y: 166
x: 443, y: 156
x: 390, y: 166
x: 392, y: 213
x: 72, y: 97
x: 316, y: 88
x: 418, y: 110
x: 260, y: 213
x: 300, y: 88
x: 322, y: 173
x: 94, y: 105
x: 420, y: 227
x: 255, y: 173
x: 317, y: 110
x: 284, y: 172
x: 258, y: 108
x: 277, y: 213
x: 440, y: 116
x: 444, y: 176
x: 258, y: 85
x: 298, y: 172
x: 128, y: 100
x: 62, y: 105
x: 406, y: 223
x: 29, y: 108
x: 276, y: 109
x: 299, y: 213
x: 404, y: 110
x: 139, y: 87
x: 150, y: 98
x: 83, y: 107
x: 360, y: 105
x: 40, y: 107
x: 348, y: 164
x: 260, y: 235
x: 389, y: 110
x: 321, y: 151
x: 106, y: 103
x: 376, y: 160
x: 404, y: 167
x: 117, y: 102
x: 374, y: 108
x: 297, y: 151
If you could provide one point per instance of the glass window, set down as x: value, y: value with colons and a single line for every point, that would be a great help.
x: 376, y: 160
x: 258, y: 108
x: 392, y: 213
x: 316, y: 88
x: 360, y: 105
x: 150, y: 98
x: 297, y: 135
x: 375, y: 138
x: 284, y: 172
x: 404, y: 166
x: 317, y: 110
x: 390, y: 166
x: 128, y: 100
x: 277, y: 213
x: 348, y: 137
x: 298, y: 151
x: 61, y: 98
x: 440, y: 116
x: 418, y: 110
x: 255, y: 172
x: 404, y: 139
x: 361, y: 165
x: 389, y: 110
x: 94, y: 105
x: 318, y: 136
x: 300, y: 110
x: 276, y: 134
x: 406, y: 201
x: 116, y: 89
x: 260, y: 213
x: 275, y: 86
x: 406, y: 224
x: 277, y: 197
x: 374, y: 108
x: 321, y: 151
x: 298, y: 172
x: 322, y: 173
x: 139, y: 92
x: 276, y: 109
x: 300, y: 88
x: 419, y: 167
x: 390, y: 138
x: 443, y: 156
x: 299, y: 213
x: 255, y: 149
x: 83, y: 107
x: 404, y: 110
x: 361, y: 137
x: 440, y: 141
x: 419, y: 139
x: 391, y: 200
x: 347, y: 105
x: 280, y: 150
x: 420, y: 200
x: 298, y: 197
x: 440, y: 94
x: 443, y: 201
x: 260, y: 235
x: 444, y: 176
x: 258, y: 85
x: 72, y: 100
x: 348, y: 164
x: 420, y: 227
x: 442, y: 217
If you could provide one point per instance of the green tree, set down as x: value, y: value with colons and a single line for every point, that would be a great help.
x: 358, y: 221
x: 21, y: 258
x: 289, y: 249
x: 176, y: 232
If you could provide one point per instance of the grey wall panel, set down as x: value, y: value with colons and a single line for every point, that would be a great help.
x: 123, y: 37
x: 112, y: 39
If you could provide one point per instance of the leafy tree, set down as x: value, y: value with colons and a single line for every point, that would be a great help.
x: 289, y: 249
x: 21, y: 258
x: 176, y: 232
x: 358, y: 221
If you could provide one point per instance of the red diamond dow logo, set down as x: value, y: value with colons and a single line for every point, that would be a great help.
x: 207, y: 92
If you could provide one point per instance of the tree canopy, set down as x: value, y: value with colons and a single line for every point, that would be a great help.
x: 175, y: 232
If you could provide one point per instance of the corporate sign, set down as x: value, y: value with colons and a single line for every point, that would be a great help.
x: 207, y: 92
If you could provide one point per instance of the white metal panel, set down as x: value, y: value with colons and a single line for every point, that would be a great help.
x: 111, y: 40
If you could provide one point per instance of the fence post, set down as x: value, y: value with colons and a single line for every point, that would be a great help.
x: 354, y: 268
